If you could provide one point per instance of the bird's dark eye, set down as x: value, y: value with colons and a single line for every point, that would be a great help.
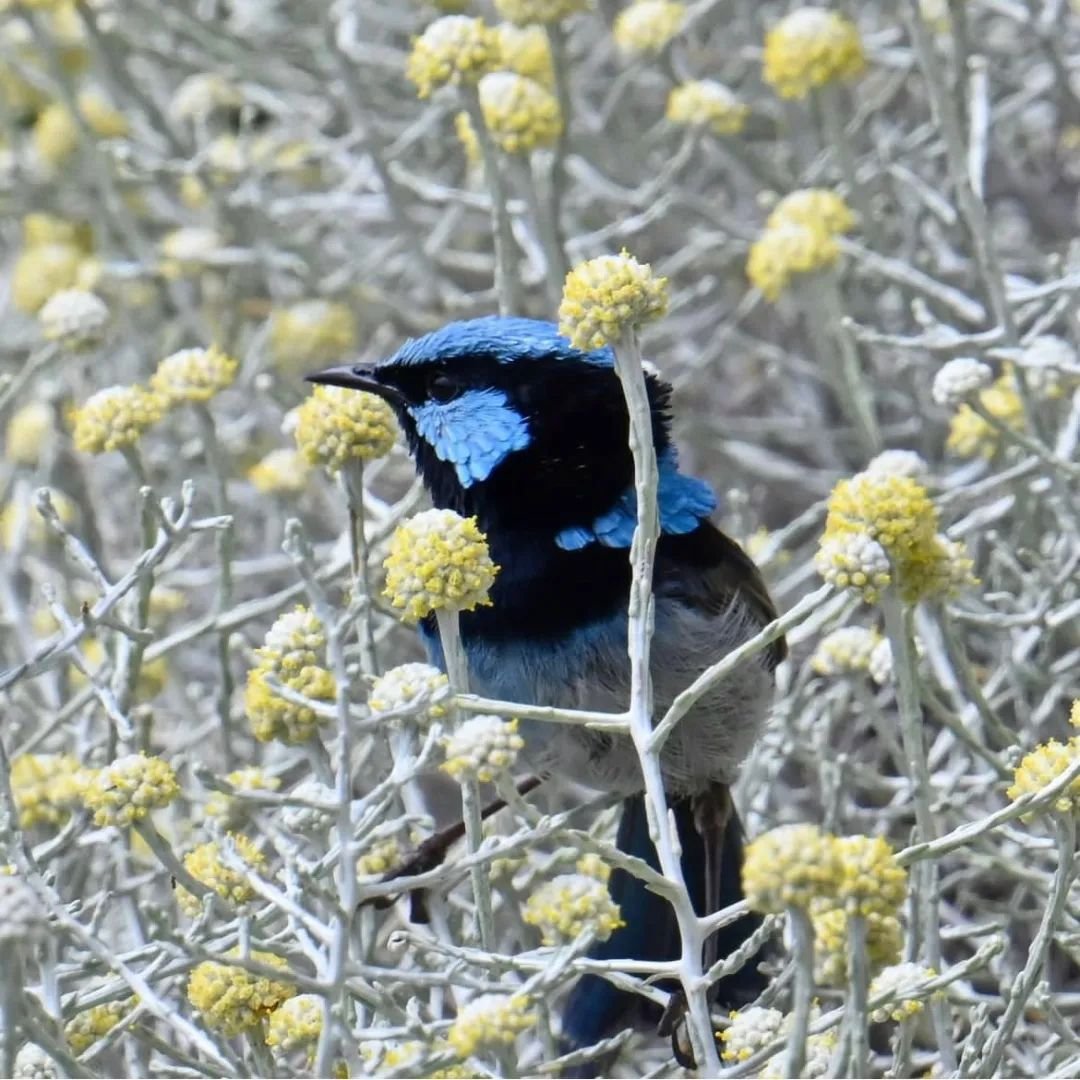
x: 441, y: 387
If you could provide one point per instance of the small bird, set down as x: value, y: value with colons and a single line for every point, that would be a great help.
x: 508, y: 423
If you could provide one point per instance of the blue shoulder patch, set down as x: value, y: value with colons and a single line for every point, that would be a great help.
x: 503, y: 337
x: 474, y: 432
x: 683, y: 502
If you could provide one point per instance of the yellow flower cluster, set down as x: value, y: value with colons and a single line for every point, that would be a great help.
x: 902, y: 982
x: 291, y: 653
x: 606, y: 297
x: 846, y: 651
x: 709, y: 104
x: 230, y: 811
x: 55, y: 136
x: 523, y: 12
x: 809, y: 48
x: 336, y: 426
x: 527, y: 51
x: 570, y: 905
x: 54, y: 252
x: 892, y: 514
x: 490, y: 1020
x: 519, y: 113
x: 85, y: 1028
x: 438, y: 561
x: 647, y: 26
x: 382, y: 857
x: 870, y: 879
x: 126, y: 790
x: 205, y: 864
x: 419, y: 691
x: 232, y: 1000
x: 790, y: 866
x: 309, y: 334
x: 819, y: 1054
x: 453, y: 50
x: 193, y: 375
x: 972, y: 436
x: 789, y: 247
x: 884, y: 938
x: 481, y: 748
x: 74, y: 318
x: 30, y: 431
x: 750, y: 1029
x: 280, y: 472
x: 115, y: 418
x: 46, y: 788
x: 295, y: 1024
x: 817, y: 207
x: 1044, y: 765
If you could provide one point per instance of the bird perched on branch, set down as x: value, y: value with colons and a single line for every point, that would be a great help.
x: 510, y: 424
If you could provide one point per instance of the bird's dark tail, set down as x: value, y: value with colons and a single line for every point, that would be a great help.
x: 595, y: 1008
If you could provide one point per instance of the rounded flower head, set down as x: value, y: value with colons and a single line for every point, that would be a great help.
x: 819, y: 1054
x: 125, y: 791
x: 481, y: 748
x: 336, y: 426
x: 854, y: 562
x: 750, y: 1029
x: 902, y: 982
x: 85, y: 1028
x: 606, y: 297
x: 295, y: 641
x: 418, y: 691
x: 957, y: 380
x: 570, y: 905
x: 115, y: 418
x: 898, y: 463
x: 972, y: 436
x: 490, y: 1020
x: 790, y: 866
x: 870, y: 877
x: 41, y: 271
x: 205, y: 864
x: 785, y: 250
x: 520, y: 114
x: 232, y: 1000
x: 22, y: 916
x: 1044, y: 765
x: 809, y: 48
x: 281, y: 472
x: 454, y: 49
x: 46, y: 788
x: 273, y: 717
x: 310, y: 333
x: 438, y: 561
x: 846, y: 651
x: 881, y: 665
x: 817, y: 207
x: 187, y: 250
x: 884, y: 939
x: 39, y: 229
x: 382, y: 857
x: 75, y: 318
x: 231, y: 811
x: 527, y: 51
x: 523, y: 12
x: 709, y: 104
x: 310, y: 819
x: 194, y: 375
x: 32, y: 1063
x: 295, y: 1024
x: 29, y: 433
x: 646, y: 26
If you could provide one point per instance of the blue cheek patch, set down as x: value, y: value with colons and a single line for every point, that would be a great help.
x: 682, y: 501
x: 474, y: 432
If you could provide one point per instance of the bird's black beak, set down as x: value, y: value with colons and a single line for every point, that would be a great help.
x: 358, y: 377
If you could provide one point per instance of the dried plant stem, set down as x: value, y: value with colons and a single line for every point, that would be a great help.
x: 858, y: 985
x: 352, y: 479
x: 802, y: 948
x: 457, y: 670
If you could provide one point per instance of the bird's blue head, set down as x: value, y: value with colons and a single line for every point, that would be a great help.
x: 508, y: 422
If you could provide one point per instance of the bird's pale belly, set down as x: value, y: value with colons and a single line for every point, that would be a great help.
x: 589, y: 669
